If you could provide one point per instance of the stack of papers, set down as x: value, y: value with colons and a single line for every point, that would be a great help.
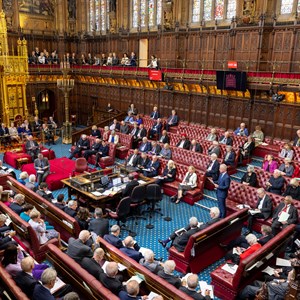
x: 204, y: 286
x: 230, y: 269
x: 120, y: 266
x: 282, y: 262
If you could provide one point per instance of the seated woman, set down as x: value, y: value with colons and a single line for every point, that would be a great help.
x: 106, y: 133
x: 246, y: 149
x: 249, y: 178
x: 95, y: 132
x: 287, y: 151
x: 11, y: 261
x: 258, y: 135
x: 22, y: 177
x: 188, y: 183
x: 169, y: 173
x: 83, y: 218
x: 287, y: 168
x: 39, y: 226
x: 270, y: 165
x: 240, y: 253
x: 113, y: 138
x: 293, y: 189
x: 166, y: 151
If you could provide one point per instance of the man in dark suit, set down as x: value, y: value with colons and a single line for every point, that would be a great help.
x: 142, y: 132
x: 184, y: 143
x: 110, y: 279
x: 222, y: 187
x: 155, y: 113
x: 132, y: 291
x: 229, y: 156
x: 24, y: 278
x: 134, y: 130
x: 226, y: 139
x: 145, y: 146
x: 71, y: 208
x: 284, y: 214
x: 18, y: 203
x: 94, y: 149
x: 37, y: 124
x: 167, y: 273
x: 214, y: 148
x: 180, y: 239
x: 130, y: 186
x: 77, y: 248
x: 99, y: 226
x: 195, y: 147
x: 102, y: 151
x: 263, y: 209
x: 190, y: 288
x: 42, y: 167
x: 297, y: 139
x: 93, y: 265
x: 214, y: 213
x: 129, y: 249
x: 172, y: 120
x: 133, y: 159
x: 60, y: 202
x: 144, y: 161
x: 124, y: 128
x: 152, y: 167
x: 213, y: 168
x: 164, y: 138
x: 32, y: 147
x: 275, y: 183
x: 156, y: 129
x: 113, y: 237
x: 4, y: 134
x: 155, y: 148
x: 82, y: 145
x: 42, y: 291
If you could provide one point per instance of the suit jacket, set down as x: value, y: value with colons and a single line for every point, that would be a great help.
x: 96, y: 133
x: 296, y: 141
x: 135, y: 160
x: 155, y: 115
x: 96, y: 147
x: 145, y: 147
x: 129, y: 188
x: 174, y: 119
x: 132, y: 253
x: 38, y: 163
x: 263, y: 240
x: 277, y: 185
x: 16, y: 208
x: 104, y: 150
x: 186, y: 144
x: 208, y: 223
x: 229, y: 140
x: 124, y: 296
x: 71, y: 212
x: 154, y: 266
x: 214, y: 172
x: 248, y: 148
x: 26, y: 283
x: 144, y: 162
x: 113, y: 284
x: 293, y: 213
x: 134, y: 132
x: 83, y: 144
x: 288, y: 171
x: 181, y: 241
x: 292, y: 191
x: 141, y: 133
x: 92, y: 267
x: 198, y: 148
x: 42, y: 293
x: 229, y: 161
x: 28, y: 145
x: 153, y: 166
x: 195, y: 295
x: 164, y: 139
x: 124, y: 129
x: 267, y: 207
x: 3, y: 131
x: 215, y: 150
x: 172, y: 279
x: 241, y: 133
x: 224, y: 183
x: 113, y: 240
x: 77, y: 250
x: 155, y: 150
x: 100, y: 226
x: 59, y: 205
x: 157, y: 127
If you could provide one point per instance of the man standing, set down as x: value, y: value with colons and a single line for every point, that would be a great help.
x: 222, y: 187
x: 42, y: 167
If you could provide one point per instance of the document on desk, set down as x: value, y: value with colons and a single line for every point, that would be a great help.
x: 107, y: 192
x: 152, y: 295
x: 138, y: 277
x: 269, y: 270
x: 230, y: 269
x: 97, y: 194
x: 204, y: 286
x: 58, y: 284
x: 141, y: 181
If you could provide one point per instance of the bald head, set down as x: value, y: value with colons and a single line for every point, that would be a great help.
x: 111, y: 269
x: 192, y: 281
x: 128, y: 242
x: 132, y: 288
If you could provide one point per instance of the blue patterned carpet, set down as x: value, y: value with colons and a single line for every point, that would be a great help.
x: 180, y: 215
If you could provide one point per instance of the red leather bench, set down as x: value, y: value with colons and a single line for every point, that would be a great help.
x: 203, y: 247
x: 10, y: 287
x: 87, y: 285
x: 62, y: 222
x: 11, y: 157
x: 26, y: 236
x: 227, y: 286
x: 154, y: 282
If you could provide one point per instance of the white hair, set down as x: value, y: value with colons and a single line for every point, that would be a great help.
x: 169, y: 266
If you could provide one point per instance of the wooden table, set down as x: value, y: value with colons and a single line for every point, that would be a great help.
x: 83, y: 187
x: 22, y: 161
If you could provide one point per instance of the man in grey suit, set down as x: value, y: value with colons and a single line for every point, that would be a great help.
x: 99, y: 226
x: 78, y: 249
x: 32, y: 147
x: 42, y: 167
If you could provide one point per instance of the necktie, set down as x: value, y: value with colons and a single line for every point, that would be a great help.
x: 194, y: 148
x: 112, y: 139
x: 42, y: 165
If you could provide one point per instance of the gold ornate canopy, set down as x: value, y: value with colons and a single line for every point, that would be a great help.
x: 13, y: 76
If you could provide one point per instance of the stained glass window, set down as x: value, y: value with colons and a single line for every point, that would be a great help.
x: 146, y: 13
x: 286, y: 6
x: 231, y: 9
x: 98, y: 15
x: 196, y: 11
x: 219, y: 9
x: 298, y: 6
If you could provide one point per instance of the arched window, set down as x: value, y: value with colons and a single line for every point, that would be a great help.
x: 146, y: 13
x: 289, y: 6
x: 208, y: 10
x: 98, y: 15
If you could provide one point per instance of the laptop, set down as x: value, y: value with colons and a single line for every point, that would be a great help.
x: 104, y: 180
x: 116, y: 182
x: 125, y: 179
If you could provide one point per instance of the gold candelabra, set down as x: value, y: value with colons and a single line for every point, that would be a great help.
x: 66, y: 85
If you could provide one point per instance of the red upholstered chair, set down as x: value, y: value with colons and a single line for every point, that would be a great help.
x: 110, y: 159
x: 81, y: 165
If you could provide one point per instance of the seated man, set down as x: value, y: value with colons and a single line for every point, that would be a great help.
x: 229, y: 156
x: 164, y: 138
x: 4, y: 134
x: 129, y: 249
x: 60, y: 202
x: 180, y: 239
x: 145, y: 146
x: 263, y: 209
x: 93, y: 150
x: 284, y: 214
x: 166, y: 152
x: 213, y: 168
x: 155, y: 113
x: 32, y: 147
x: 102, y: 152
x: 149, y: 262
x: 214, y: 214
x: 212, y: 136
x: 129, y: 118
x: 156, y: 129
x: 82, y: 145
x: 286, y: 168
x: 115, y: 126
x: 44, y: 192
x: 94, y: 264
x: 155, y: 148
x: 275, y: 183
x: 71, y: 208
x: 242, y: 130
x: 297, y: 139
x: 172, y: 120
x: 226, y: 139
x: 293, y: 189
x: 124, y: 128
x: 133, y: 159
x: 152, y: 168
x: 132, y: 291
x: 184, y: 143
x: 214, y: 148
x: 42, y: 167
x: 98, y: 226
x: 142, y: 132
x: 18, y: 203
x: 189, y: 287
x: 32, y: 184
x: 113, y: 237
x: 130, y: 185
x: 168, y: 273
x: 6, y: 237
x: 48, y: 134
x: 110, y: 279
x: 196, y: 147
